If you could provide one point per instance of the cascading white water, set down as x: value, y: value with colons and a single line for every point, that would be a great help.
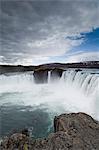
x: 74, y: 91
x: 16, y: 82
x: 85, y: 81
x: 49, y: 76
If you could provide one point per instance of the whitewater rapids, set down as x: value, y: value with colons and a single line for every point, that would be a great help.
x: 75, y: 91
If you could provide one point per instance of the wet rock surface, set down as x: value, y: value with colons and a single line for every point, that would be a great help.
x: 75, y: 131
x: 56, y: 73
x: 41, y: 76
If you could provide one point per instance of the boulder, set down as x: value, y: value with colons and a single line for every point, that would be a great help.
x: 81, y: 128
x: 74, y: 131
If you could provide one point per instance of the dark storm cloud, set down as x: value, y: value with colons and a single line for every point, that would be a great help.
x: 31, y: 29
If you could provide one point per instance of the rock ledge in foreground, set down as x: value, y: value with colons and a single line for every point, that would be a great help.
x: 74, y: 131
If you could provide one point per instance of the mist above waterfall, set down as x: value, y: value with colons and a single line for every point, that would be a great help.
x: 75, y: 91
x: 26, y: 102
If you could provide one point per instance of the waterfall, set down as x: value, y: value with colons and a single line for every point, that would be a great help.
x: 16, y: 82
x: 86, y: 81
x: 73, y: 91
x: 16, y: 78
x: 49, y: 76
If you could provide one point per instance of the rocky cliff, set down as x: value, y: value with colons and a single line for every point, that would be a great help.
x: 41, y: 75
x: 75, y: 131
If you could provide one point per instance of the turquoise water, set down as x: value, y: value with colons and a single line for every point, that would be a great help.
x: 16, y: 118
x: 24, y: 104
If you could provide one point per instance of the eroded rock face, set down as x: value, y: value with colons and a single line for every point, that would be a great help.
x: 41, y: 76
x: 56, y: 73
x: 81, y: 128
x: 75, y: 131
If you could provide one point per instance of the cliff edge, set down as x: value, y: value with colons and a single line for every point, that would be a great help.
x: 74, y: 131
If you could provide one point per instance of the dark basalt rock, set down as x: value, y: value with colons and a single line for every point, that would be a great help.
x: 94, y: 73
x: 25, y: 132
x: 78, y: 70
x: 41, y: 75
x: 75, y: 131
x: 56, y: 72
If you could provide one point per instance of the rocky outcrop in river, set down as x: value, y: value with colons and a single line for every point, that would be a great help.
x: 75, y: 131
x: 56, y: 73
x: 41, y: 75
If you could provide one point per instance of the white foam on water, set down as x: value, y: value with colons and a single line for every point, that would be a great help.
x: 74, y: 92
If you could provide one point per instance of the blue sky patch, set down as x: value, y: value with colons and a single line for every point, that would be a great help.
x: 91, y: 42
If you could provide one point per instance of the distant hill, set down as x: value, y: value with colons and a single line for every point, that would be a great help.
x: 87, y: 64
x: 20, y: 68
x: 12, y: 68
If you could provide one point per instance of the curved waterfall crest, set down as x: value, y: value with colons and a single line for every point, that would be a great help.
x: 72, y: 90
x: 85, y: 80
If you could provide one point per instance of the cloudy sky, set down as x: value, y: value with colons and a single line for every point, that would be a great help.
x: 41, y: 31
